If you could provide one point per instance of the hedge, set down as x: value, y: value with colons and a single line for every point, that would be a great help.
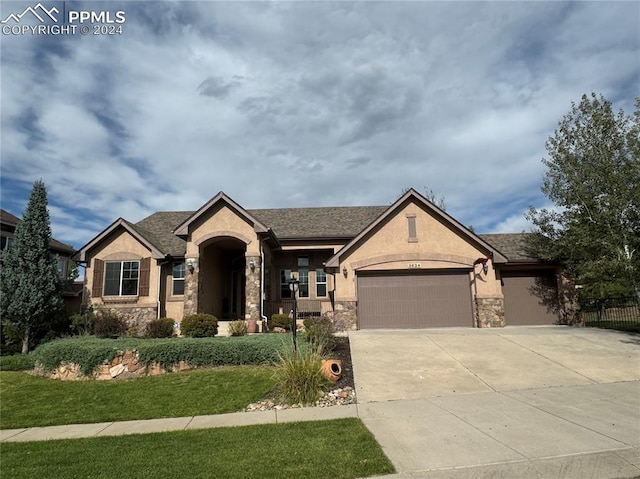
x: 91, y: 352
x: 17, y: 362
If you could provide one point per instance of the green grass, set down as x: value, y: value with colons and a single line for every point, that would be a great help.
x: 341, y: 448
x: 27, y: 401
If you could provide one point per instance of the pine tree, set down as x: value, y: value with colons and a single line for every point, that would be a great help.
x: 29, y: 283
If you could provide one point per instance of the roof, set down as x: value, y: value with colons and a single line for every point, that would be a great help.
x: 326, y: 222
x: 513, y: 245
x: 7, y: 219
x: 159, y: 230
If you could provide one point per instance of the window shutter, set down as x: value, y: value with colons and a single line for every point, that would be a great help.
x: 145, y: 274
x: 98, y: 278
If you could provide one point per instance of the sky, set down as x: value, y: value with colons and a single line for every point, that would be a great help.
x: 294, y: 104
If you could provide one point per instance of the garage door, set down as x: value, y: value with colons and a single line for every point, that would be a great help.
x: 414, y: 300
x: 530, y: 298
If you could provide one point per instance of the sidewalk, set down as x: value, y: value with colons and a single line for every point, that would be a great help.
x: 74, y: 431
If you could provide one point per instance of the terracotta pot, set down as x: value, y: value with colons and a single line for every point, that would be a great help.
x: 252, y: 326
x: 332, y: 369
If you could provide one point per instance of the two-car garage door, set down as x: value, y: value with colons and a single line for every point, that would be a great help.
x: 411, y: 299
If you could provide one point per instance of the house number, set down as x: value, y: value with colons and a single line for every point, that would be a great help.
x: 415, y: 266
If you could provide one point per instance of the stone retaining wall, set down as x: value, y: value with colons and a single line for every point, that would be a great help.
x: 123, y: 366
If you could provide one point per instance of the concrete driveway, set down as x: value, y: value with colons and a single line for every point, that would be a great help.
x: 500, y: 403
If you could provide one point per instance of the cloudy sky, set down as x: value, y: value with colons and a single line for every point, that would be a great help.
x: 302, y: 104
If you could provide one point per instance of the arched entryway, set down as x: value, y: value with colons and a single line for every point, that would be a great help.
x: 223, y: 277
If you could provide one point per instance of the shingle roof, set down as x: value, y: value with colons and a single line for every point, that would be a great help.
x: 158, y: 230
x: 512, y: 245
x: 322, y: 222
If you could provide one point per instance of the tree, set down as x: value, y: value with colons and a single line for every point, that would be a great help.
x: 431, y: 196
x: 29, y: 285
x: 593, y: 179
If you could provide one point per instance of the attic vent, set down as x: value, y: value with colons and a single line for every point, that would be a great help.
x: 411, y: 220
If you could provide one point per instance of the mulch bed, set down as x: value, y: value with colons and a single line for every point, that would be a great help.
x: 343, y: 353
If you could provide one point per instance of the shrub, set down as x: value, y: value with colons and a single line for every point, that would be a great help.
x: 281, y: 321
x: 199, y: 326
x: 160, y: 328
x: 237, y: 328
x: 89, y: 352
x: 82, y: 324
x: 299, y: 377
x: 109, y: 324
x: 319, y: 332
x: 17, y: 362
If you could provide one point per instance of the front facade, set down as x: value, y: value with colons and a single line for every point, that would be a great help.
x: 409, y: 265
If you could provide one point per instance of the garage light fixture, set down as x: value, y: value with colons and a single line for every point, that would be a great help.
x: 483, y: 262
x: 344, y: 271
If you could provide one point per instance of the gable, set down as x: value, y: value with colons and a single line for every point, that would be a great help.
x: 438, y: 237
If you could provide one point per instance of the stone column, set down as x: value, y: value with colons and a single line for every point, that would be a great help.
x: 253, y: 276
x: 490, y: 312
x: 345, y: 316
x: 191, y: 286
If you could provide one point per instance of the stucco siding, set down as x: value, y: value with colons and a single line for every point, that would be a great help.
x: 221, y: 221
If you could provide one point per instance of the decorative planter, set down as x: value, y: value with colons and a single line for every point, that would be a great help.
x: 252, y: 326
x: 332, y: 369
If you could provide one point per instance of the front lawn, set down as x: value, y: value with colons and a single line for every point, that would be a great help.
x: 326, y: 449
x: 27, y: 401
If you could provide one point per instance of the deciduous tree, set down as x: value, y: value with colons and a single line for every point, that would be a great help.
x: 593, y: 180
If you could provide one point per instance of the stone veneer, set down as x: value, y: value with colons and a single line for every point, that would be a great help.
x: 345, y: 316
x: 252, y: 289
x: 137, y: 318
x: 490, y: 312
x: 191, y: 289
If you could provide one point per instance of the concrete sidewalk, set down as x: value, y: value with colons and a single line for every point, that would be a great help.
x: 121, y: 428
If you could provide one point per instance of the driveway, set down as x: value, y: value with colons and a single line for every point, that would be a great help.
x: 513, y: 402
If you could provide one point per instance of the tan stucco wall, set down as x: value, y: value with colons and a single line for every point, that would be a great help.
x: 121, y: 246
x: 389, y: 248
x: 221, y: 222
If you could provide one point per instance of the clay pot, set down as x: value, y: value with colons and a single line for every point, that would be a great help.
x: 252, y: 326
x: 332, y: 369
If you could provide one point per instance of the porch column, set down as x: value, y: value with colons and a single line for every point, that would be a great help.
x: 191, y: 286
x: 253, y: 275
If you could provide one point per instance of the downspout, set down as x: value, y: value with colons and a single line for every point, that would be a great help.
x: 262, y: 316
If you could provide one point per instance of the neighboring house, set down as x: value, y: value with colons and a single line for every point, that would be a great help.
x: 408, y: 265
x: 71, y: 292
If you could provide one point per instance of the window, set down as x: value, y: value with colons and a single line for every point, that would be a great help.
x: 303, y: 276
x: 285, y: 276
x: 121, y: 278
x: 5, y: 242
x: 413, y: 236
x: 321, y: 283
x: 62, y: 268
x: 177, y: 287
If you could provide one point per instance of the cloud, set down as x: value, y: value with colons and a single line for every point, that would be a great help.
x: 305, y: 104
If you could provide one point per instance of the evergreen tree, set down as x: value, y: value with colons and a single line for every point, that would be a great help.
x: 29, y: 283
x: 593, y: 178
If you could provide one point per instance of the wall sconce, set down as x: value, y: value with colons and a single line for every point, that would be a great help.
x: 191, y: 265
x: 483, y: 262
x: 252, y: 265
x: 344, y: 271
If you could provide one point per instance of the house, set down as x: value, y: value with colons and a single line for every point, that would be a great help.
x: 71, y: 292
x: 408, y: 265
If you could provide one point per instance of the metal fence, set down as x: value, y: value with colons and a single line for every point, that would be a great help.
x: 307, y: 308
x: 621, y: 313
